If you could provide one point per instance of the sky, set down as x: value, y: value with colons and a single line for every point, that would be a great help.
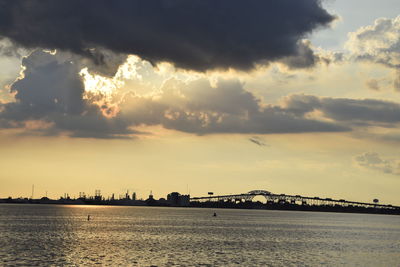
x: 297, y: 97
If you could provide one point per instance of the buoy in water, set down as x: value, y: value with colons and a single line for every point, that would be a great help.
x: 88, y: 217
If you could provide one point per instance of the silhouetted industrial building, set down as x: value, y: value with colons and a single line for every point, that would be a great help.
x: 178, y: 200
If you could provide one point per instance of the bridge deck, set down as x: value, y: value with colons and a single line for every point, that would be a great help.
x: 293, y: 198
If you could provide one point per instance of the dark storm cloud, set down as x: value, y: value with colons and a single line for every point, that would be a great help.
x: 192, y: 34
x: 102, y: 61
x: 307, y: 58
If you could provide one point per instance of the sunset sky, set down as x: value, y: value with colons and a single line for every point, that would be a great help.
x: 290, y: 96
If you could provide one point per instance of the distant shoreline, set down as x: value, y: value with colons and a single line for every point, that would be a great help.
x: 211, y: 204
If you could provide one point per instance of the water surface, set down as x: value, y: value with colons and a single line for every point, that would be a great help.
x: 56, y: 235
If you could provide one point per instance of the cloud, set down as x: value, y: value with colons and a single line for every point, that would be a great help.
x: 52, y: 91
x: 391, y: 136
x: 200, y: 108
x: 351, y: 111
x: 306, y: 57
x: 396, y: 82
x: 50, y: 98
x: 373, y: 84
x: 191, y: 34
x: 258, y: 141
x: 379, y: 42
x: 373, y: 160
x: 8, y: 49
x: 102, y: 61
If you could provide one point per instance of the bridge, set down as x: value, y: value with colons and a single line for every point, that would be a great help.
x: 291, y: 199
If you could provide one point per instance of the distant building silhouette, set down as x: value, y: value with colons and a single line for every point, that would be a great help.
x: 178, y: 200
x: 97, y: 195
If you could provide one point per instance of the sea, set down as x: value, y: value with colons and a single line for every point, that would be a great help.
x: 62, y: 235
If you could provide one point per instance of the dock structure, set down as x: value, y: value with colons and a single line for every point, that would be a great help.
x: 291, y: 199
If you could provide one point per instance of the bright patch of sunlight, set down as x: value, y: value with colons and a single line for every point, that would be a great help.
x: 95, y: 83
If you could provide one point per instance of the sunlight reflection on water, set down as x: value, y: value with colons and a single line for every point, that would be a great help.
x: 144, y: 236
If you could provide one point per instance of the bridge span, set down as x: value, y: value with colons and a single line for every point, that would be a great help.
x: 291, y: 199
